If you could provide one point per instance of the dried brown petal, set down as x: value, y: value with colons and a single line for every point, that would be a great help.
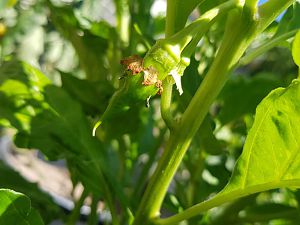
x: 133, y: 63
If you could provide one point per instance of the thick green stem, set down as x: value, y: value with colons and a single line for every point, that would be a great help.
x: 241, y: 30
x: 230, y: 51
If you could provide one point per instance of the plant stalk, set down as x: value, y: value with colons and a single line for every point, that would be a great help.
x: 242, y: 27
x: 232, y: 48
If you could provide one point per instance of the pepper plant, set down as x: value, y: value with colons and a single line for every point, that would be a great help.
x: 152, y: 154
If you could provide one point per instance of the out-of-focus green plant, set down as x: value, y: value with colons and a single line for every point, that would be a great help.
x: 108, y: 107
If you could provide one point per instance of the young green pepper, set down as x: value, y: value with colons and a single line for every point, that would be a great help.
x: 137, y: 85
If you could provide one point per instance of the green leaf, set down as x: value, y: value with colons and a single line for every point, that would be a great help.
x: 241, y: 95
x: 40, y: 200
x: 296, y: 49
x: 15, y: 208
x: 93, y: 96
x: 55, y: 124
x: 270, y: 157
x: 21, y: 87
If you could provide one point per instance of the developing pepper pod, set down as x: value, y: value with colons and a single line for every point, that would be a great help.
x: 137, y: 85
x: 166, y: 58
x: 163, y: 57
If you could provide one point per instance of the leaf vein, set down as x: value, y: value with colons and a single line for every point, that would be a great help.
x: 251, y: 147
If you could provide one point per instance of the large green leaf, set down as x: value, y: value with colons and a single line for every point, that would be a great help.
x: 15, y: 208
x: 21, y: 87
x: 62, y: 131
x: 270, y: 158
x: 296, y: 49
x: 49, y: 119
x: 41, y: 201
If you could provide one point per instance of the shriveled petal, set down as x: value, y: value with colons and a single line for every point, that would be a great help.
x: 177, y: 78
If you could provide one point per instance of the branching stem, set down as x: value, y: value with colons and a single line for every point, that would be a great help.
x: 241, y: 29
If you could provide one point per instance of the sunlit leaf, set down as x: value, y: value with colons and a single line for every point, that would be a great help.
x: 270, y: 157
x: 21, y: 87
x: 40, y: 200
x: 49, y: 119
x: 296, y: 49
x: 15, y: 208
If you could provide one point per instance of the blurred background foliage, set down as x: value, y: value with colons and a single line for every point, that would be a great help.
x: 78, y: 45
